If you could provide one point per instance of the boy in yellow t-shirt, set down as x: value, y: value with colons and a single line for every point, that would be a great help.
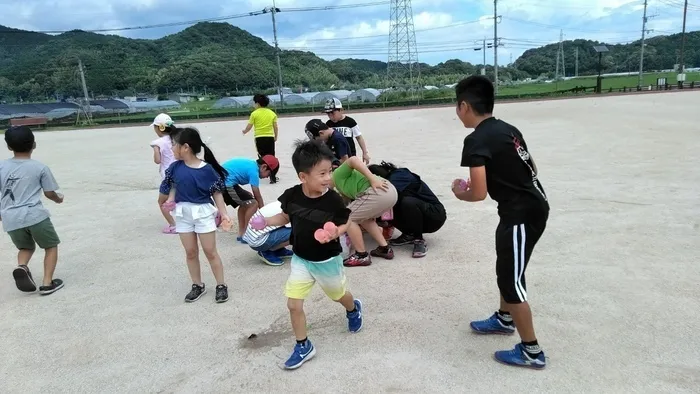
x: 264, y: 120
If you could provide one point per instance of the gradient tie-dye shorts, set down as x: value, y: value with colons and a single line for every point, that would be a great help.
x: 329, y: 274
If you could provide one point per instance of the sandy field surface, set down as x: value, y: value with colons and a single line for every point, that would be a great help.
x: 613, y: 283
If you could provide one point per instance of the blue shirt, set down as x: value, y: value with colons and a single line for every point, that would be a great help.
x: 194, y: 185
x: 242, y: 171
x: 338, y: 144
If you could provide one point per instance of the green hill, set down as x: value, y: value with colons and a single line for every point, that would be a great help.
x: 227, y: 60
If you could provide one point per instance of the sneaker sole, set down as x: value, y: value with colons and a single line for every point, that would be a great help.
x: 311, y: 355
x: 270, y: 263
x: 23, y: 280
x: 200, y: 296
x: 533, y: 367
x: 55, y: 289
x: 222, y: 301
x: 492, y: 332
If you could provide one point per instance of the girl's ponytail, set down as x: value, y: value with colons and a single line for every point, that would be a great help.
x: 211, y: 159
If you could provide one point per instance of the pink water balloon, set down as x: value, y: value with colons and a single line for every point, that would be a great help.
x: 258, y: 223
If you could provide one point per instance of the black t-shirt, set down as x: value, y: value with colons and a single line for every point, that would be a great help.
x: 349, y: 129
x: 511, y: 176
x: 310, y: 214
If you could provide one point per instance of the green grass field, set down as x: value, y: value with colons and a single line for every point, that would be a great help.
x: 615, y: 82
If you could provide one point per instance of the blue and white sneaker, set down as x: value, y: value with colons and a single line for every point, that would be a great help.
x: 518, y: 357
x: 302, y: 353
x: 355, y: 318
x: 284, y: 253
x: 270, y: 258
x: 491, y: 326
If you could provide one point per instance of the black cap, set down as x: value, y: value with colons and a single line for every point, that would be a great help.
x: 314, y: 127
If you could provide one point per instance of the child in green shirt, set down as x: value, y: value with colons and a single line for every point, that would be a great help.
x: 370, y: 196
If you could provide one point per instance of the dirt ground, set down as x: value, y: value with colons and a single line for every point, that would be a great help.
x: 613, y: 283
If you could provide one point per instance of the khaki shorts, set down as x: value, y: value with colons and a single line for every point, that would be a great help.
x: 42, y: 234
x: 370, y: 204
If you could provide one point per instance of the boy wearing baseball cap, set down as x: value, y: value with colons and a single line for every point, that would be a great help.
x: 346, y: 126
x: 316, y: 129
x: 245, y: 171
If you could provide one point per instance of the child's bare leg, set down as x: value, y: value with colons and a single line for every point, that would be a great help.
x: 298, y: 317
x: 208, y: 242
x: 50, y: 261
x: 162, y: 198
x: 245, y: 213
x: 23, y: 256
x: 348, y: 301
x: 522, y: 318
x: 189, y: 242
x: 375, y: 231
x: 355, y: 233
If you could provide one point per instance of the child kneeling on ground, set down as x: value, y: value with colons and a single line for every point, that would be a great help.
x: 271, y: 241
x: 309, y: 207
x: 23, y: 216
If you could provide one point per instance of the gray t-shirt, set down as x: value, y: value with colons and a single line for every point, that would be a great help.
x: 21, y: 184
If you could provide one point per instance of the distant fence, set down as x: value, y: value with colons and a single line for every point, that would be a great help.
x: 106, y: 119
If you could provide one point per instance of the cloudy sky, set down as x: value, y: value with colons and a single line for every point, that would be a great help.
x: 445, y: 29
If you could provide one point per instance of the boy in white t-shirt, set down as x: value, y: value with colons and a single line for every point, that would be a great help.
x: 163, y: 155
x: 271, y: 241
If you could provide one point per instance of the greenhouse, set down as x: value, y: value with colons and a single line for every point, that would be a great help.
x: 325, y: 96
x: 299, y: 98
x: 368, y: 95
x: 149, y: 106
x: 233, y: 102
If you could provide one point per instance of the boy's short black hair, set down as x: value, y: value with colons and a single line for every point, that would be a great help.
x: 261, y: 100
x: 309, y: 153
x: 478, y: 92
x: 19, y: 139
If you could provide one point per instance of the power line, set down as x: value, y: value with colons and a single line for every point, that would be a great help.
x: 212, y: 19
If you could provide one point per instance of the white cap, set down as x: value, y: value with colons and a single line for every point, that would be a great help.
x: 332, y: 105
x: 162, y: 120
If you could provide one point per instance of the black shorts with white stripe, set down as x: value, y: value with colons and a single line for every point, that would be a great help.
x: 514, y: 246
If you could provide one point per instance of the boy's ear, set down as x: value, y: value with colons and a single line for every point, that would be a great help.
x: 34, y: 145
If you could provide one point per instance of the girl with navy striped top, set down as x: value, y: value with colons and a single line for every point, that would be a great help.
x: 190, y: 184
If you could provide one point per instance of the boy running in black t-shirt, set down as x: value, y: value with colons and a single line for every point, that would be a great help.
x: 500, y: 164
x: 309, y: 206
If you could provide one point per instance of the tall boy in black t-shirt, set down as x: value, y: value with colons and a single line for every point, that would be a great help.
x: 501, y: 165
x: 346, y: 126
x: 309, y: 206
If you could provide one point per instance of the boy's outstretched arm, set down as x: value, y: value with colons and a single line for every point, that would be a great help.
x: 477, y: 190
x: 281, y: 219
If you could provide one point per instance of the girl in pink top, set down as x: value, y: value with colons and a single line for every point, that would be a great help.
x: 163, y: 155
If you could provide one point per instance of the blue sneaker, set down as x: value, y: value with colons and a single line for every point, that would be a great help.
x: 270, y: 258
x: 301, y: 354
x: 518, y: 357
x: 355, y: 318
x: 491, y: 326
x: 284, y: 253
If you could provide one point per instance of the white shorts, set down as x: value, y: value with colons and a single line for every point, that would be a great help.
x: 194, y: 218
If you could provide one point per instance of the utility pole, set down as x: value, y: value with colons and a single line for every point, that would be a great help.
x: 561, y: 48
x: 483, y: 69
x: 641, y: 56
x: 681, y: 67
x: 495, y: 46
x: 86, y: 107
x: 576, y: 56
x: 274, y: 10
